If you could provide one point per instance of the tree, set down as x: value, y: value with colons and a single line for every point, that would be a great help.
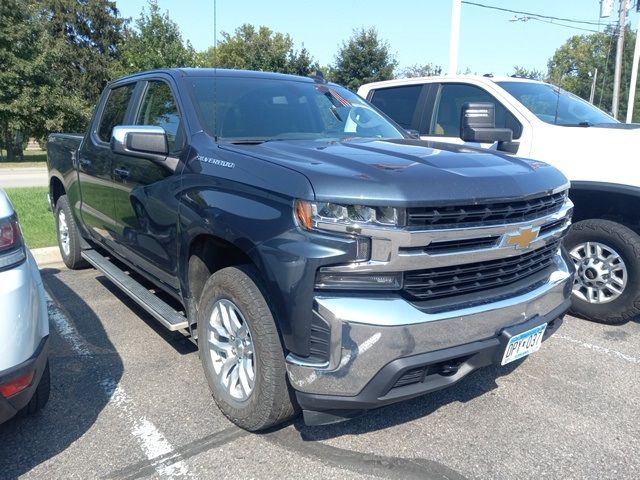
x: 573, y: 65
x: 426, y: 70
x: 82, y: 48
x: 533, y: 74
x: 261, y: 49
x: 155, y: 43
x: 20, y: 55
x: 362, y: 59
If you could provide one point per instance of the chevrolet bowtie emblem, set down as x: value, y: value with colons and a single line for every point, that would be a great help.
x: 522, y: 238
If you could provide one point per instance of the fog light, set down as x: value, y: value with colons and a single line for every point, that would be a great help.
x: 16, y: 386
x: 359, y: 281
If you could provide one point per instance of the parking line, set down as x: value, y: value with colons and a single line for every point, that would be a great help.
x: 153, y: 443
x: 599, y: 349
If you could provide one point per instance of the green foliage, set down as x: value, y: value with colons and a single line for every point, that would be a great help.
x: 574, y: 63
x: 533, y: 74
x: 155, y: 43
x: 37, y: 223
x: 362, y: 59
x: 426, y: 70
x: 261, y: 49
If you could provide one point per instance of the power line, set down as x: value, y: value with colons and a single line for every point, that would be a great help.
x: 570, y: 20
x: 551, y: 22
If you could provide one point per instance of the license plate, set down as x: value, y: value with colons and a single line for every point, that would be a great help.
x: 524, y: 344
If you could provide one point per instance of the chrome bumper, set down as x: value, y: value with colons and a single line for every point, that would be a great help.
x: 368, y: 333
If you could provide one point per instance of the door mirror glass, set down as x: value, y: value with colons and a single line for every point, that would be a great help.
x: 478, y: 124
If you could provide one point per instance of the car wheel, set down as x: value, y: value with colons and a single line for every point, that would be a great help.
x: 40, y: 396
x: 607, y: 260
x: 68, y: 235
x: 241, y: 352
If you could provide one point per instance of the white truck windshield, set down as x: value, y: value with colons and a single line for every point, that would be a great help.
x: 553, y: 105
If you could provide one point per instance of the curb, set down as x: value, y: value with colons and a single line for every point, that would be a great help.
x: 46, y: 256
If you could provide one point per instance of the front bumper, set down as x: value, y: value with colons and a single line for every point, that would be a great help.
x: 375, y: 341
x: 9, y: 407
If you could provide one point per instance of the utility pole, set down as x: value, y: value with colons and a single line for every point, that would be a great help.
x: 594, y: 82
x: 619, y: 52
x: 454, y: 40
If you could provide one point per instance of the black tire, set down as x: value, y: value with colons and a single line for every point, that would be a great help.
x: 71, y: 253
x: 626, y: 243
x: 40, y: 396
x: 271, y: 400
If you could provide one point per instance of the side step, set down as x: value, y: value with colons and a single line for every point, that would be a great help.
x: 160, y: 310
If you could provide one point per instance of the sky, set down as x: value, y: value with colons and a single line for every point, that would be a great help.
x: 417, y: 31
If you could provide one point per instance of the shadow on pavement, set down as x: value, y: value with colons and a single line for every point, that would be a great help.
x: 78, y: 371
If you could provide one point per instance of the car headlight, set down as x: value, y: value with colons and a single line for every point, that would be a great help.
x: 325, y: 215
x: 12, y: 250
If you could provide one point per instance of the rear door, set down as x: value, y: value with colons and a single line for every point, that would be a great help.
x: 403, y: 103
x: 95, y: 163
x: 146, y: 206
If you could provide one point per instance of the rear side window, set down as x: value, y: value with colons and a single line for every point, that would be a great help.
x: 159, y: 109
x: 399, y: 103
x: 114, y: 110
x: 448, y: 110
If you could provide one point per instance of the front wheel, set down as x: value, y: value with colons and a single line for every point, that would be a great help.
x: 241, y: 352
x: 607, y: 260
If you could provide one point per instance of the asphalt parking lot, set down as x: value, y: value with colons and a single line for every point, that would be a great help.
x: 129, y: 400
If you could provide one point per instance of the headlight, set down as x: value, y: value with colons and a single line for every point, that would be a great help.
x: 324, y: 214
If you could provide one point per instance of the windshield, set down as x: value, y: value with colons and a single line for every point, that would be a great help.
x: 254, y: 110
x: 556, y: 106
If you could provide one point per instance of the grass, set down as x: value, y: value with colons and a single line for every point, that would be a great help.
x: 32, y: 158
x: 38, y: 225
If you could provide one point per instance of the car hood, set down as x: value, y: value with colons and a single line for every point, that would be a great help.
x: 406, y: 172
x: 602, y: 153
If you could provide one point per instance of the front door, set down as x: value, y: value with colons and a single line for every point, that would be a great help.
x: 145, y: 193
x: 95, y: 164
x: 444, y: 124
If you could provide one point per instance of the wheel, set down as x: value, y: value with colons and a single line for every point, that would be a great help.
x: 68, y: 235
x: 607, y: 260
x: 40, y: 396
x: 241, y: 352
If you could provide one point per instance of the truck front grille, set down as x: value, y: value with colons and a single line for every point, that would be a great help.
x: 446, y: 282
x: 485, y: 214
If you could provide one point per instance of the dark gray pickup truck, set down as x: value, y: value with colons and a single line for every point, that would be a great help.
x: 321, y: 258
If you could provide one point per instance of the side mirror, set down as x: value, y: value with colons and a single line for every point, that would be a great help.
x: 140, y: 141
x: 478, y: 124
x: 412, y: 133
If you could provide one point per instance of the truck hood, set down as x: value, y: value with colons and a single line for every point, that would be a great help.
x: 602, y: 153
x: 406, y: 172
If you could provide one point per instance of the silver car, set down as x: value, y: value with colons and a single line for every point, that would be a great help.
x: 24, y: 323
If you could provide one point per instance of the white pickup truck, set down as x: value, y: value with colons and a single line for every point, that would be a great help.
x: 600, y: 156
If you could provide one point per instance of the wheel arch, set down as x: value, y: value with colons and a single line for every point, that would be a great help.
x: 56, y: 190
x: 606, y: 201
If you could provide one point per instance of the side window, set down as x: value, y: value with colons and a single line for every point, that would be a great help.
x: 448, y: 110
x: 399, y: 103
x: 114, y: 110
x: 159, y: 108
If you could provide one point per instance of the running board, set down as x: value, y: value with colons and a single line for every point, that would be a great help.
x: 160, y: 310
